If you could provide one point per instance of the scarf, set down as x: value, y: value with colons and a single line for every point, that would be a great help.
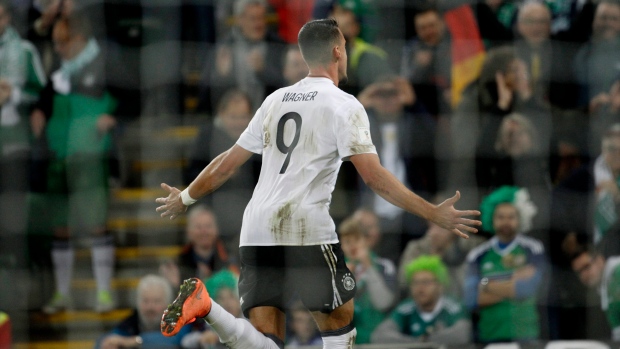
x: 69, y: 68
x: 605, y: 215
x: 12, y: 58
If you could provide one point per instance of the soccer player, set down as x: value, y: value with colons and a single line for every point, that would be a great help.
x: 288, y: 241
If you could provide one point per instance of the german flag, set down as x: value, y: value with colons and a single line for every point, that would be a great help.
x: 5, y: 331
x: 467, y: 49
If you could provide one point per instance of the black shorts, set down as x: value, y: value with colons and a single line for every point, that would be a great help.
x: 273, y: 275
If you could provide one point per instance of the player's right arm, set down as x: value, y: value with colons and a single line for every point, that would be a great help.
x: 386, y: 185
x: 211, y: 178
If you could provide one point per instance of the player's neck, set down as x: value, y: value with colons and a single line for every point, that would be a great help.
x: 323, y: 72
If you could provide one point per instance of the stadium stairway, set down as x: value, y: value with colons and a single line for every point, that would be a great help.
x: 151, y: 151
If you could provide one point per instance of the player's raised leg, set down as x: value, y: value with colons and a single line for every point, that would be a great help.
x: 194, y: 302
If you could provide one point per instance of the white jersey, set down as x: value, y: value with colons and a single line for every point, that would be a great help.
x: 304, y: 132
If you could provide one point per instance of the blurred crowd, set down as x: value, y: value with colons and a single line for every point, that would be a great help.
x: 515, y: 103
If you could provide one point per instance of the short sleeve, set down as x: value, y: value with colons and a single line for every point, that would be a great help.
x: 353, y: 131
x: 252, y: 138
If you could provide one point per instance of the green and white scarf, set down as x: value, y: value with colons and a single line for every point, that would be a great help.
x: 62, y: 77
x: 12, y: 58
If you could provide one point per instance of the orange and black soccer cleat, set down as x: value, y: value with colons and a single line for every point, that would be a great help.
x: 192, y: 302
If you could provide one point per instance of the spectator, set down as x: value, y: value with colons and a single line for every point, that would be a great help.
x: 550, y: 72
x: 604, y: 112
x: 405, y: 143
x: 295, y: 68
x: 505, y: 273
x: 427, y: 61
x: 597, y: 61
x: 21, y: 80
x: 251, y: 57
x: 304, y: 331
x: 375, y: 276
x: 452, y: 251
x: 76, y: 114
x: 519, y: 160
x: 223, y: 289
x: 427, y: 315
x: 141, y: 328
x: 366, y: 62
x: 503, y: 88
x: 597, y: 271
x: 369, y: 222
x: 204, y: 254
x: 234, y: 112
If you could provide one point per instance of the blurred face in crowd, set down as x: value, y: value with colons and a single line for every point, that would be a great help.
x: 589, y: 269
x: 514, y: 138
x: 387, y: 102
x: 430, y: 27
x: 354, y: 245
x: 606, y: 24
x: 152, y: 302
x: 253, y: 22
x: 235, y: 116
x: 534, y: 23
x: 303, y: 325
x: 425, y: 290
x: 505, y: 222
x: 516, y: 75
x: 370, y: 223
x: 66, y: 44
x: 229, y: 300
x: 202, y: 230
x: 611, y: 152
x: 440, y: 238
x: 5, y: 19
x: 295, y: 68
x: 347, y: 23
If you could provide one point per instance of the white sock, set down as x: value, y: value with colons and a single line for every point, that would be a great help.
x: 343, y: 338
x: 237, y: 333
x: 103, y: 262
x: 62, y: 258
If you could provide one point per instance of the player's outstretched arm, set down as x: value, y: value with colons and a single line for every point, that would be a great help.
x: 382, y: 182
x: 211, y: 178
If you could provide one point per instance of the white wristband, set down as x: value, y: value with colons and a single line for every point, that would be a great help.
x: 187, y: 200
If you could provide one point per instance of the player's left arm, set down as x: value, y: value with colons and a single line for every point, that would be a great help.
x: 211, y: 178
x: 386, y: 185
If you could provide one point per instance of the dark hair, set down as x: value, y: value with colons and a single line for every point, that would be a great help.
x: 589, y: 249
x: 316, y: 39
x: 231, y: 96
x: 77, y: 24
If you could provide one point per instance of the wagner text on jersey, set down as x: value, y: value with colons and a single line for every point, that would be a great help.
x: 299, y: 97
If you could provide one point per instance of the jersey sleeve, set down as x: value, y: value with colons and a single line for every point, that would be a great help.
x: 353, y: 131
x: 252, y: 138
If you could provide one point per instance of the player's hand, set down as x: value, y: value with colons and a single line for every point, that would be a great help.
x: 172, y: 205
x: 447, y: 217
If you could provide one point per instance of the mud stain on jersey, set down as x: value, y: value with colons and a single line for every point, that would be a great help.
x: 358, y: 144
x: 302, y: 230
x: 281, y: 221
x: 360, y: 149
